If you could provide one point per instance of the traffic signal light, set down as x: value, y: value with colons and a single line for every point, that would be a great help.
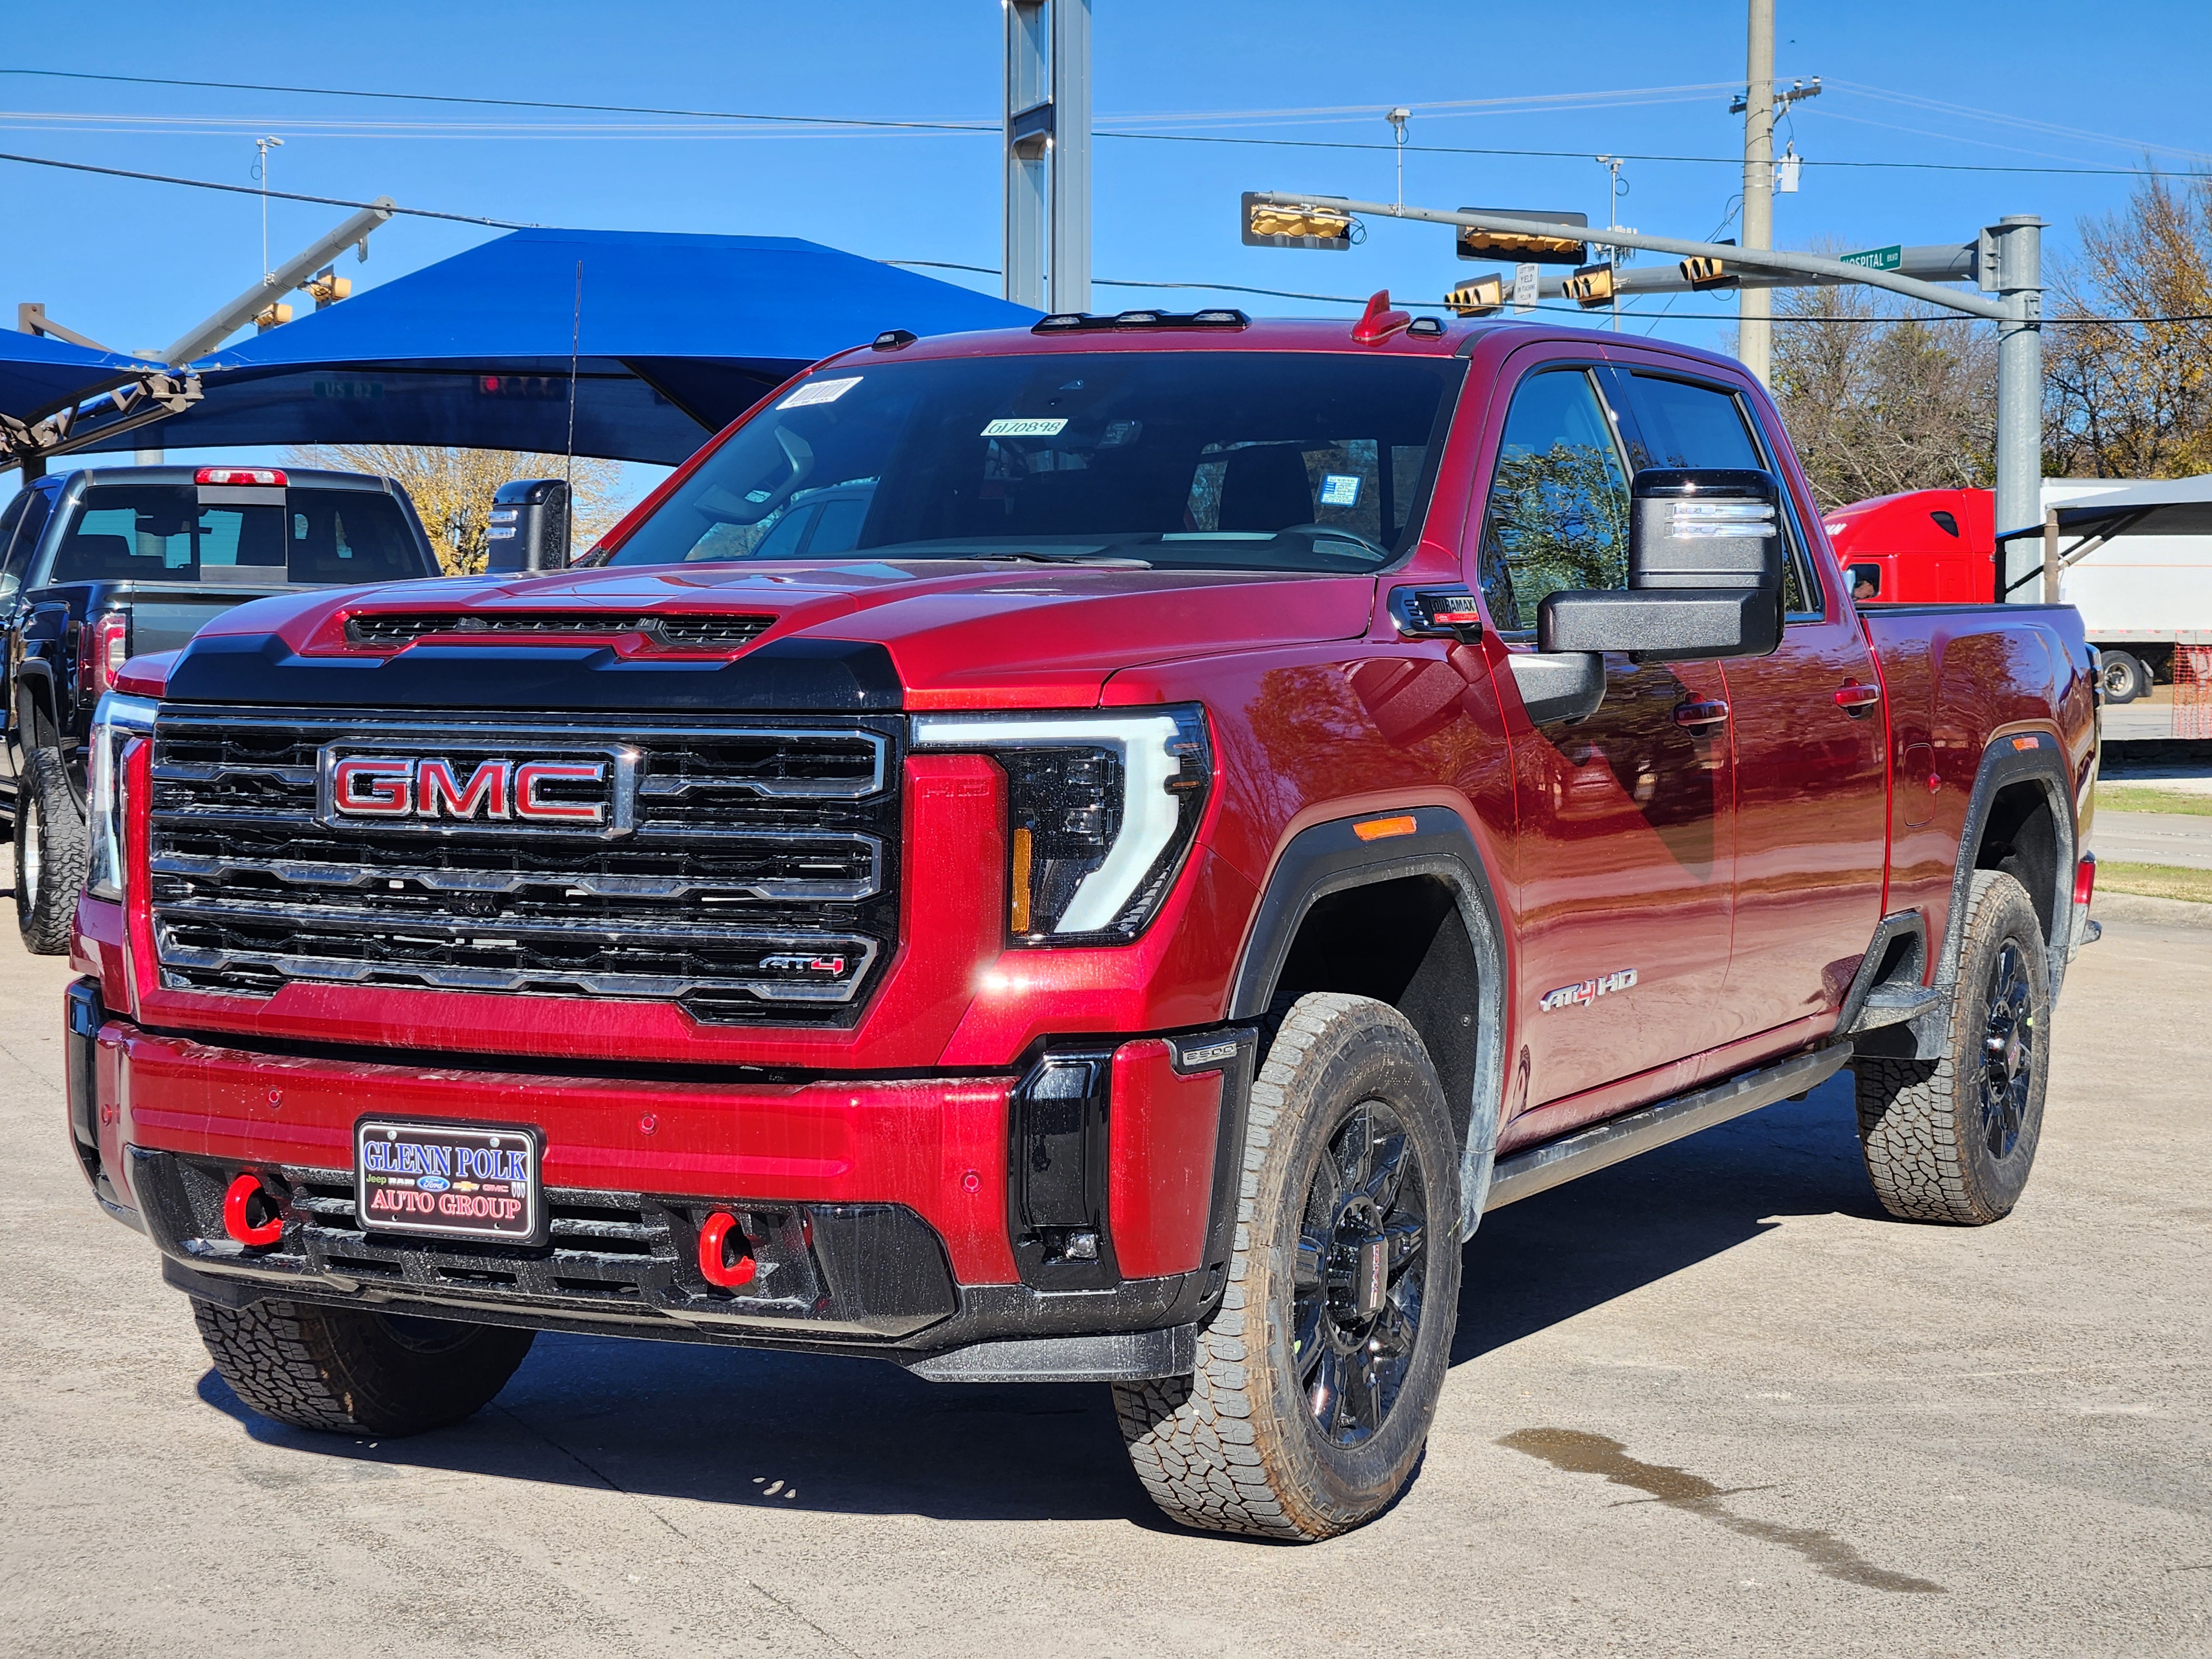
x: 1703, y: 270
x: 1519, y: 245
x: 1308, y: 225
x: 1479, y: 297
x: 327, y: 287
x: 1591, y: 287
x: 271, y: 316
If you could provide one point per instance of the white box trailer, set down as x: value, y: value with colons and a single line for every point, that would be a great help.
x: 2136, y: 559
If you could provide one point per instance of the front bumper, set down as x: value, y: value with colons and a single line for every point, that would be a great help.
x: 904, y: 1218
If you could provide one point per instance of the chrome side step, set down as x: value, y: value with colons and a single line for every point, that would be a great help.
x: 1554, y: 1163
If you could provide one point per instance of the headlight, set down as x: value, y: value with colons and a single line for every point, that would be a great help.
x: 1101, y: 808
x: 117, y: 720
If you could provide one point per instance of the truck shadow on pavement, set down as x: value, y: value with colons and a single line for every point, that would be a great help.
x: 724, y: 1425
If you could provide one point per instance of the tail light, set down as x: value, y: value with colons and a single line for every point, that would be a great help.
x: 257, y: 477
x: 103, y: 647
x: 2085, y: 881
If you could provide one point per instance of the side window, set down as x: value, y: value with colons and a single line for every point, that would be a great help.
x: 1558, y: 516
x: 1687, y: 424
x: 14, y: 552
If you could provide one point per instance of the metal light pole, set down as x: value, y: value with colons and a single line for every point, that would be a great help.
x: 1755, y: 306
x: 1047, y: 218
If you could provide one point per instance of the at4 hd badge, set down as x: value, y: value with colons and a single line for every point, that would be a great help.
x: 1582, y: 995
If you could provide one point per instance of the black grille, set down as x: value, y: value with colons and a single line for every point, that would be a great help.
x: 684, y: 633
x: 757, y: 880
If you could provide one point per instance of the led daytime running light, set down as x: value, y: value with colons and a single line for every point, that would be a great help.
x: 117, y: 720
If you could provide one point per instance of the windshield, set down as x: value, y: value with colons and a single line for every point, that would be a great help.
x: 1240, y: 460
x: 167, y: 533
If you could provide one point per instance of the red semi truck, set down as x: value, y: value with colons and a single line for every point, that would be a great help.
x: 1187, y: 815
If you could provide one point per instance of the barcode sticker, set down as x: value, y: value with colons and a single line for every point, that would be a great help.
x: 819, y: 391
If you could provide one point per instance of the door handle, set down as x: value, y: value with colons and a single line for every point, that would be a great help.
x: 1701, y: 716
x: 1858, y: 700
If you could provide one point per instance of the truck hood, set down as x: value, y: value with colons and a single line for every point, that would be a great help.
x: 927, y: 635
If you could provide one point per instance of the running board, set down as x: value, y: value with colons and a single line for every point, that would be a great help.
x: 1554, y: 1163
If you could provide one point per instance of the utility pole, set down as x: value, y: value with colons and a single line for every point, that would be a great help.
x: 1047, y: 214
x: 1755, y: 306
x: 2016, y: 242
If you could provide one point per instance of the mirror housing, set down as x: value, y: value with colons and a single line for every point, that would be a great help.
x: 1704, y: 573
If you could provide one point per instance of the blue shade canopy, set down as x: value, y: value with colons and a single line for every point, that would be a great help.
x: 676, y: 336
x: 38, y: 375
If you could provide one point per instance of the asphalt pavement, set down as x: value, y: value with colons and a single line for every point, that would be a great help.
x: 1708, y: 1402
x: 2175, y: 838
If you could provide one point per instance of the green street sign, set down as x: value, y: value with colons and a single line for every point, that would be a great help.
x: 1877, y: 258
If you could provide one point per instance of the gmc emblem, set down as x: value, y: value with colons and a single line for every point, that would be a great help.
x: 590, y: 793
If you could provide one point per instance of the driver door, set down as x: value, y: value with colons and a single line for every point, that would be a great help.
x: 1623, y: 864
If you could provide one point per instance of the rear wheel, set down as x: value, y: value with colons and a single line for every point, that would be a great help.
x: 2122, y: 677
x: 1954, y: 1140
x: 354, y: 1371
x: 50, y: 854
x: 1318, y: 1377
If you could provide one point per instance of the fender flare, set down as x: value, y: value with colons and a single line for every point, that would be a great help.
x: 1330, y: 858
x: 2004, y: 762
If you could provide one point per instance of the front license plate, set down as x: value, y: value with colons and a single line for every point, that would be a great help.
x: 449, y: 1181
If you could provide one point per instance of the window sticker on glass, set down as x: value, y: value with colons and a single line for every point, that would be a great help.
x: 1024, y: 429
x: 819, y: 391
x: 1340, y: 489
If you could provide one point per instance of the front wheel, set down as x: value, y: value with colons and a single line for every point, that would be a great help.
x: 1319, y: 1376
x: 353, y: 1370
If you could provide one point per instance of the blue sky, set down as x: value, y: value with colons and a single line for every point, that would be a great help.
x: 2024, y: 85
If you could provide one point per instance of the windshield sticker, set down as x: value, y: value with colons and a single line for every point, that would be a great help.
x: 1340, y: 489
x: 1024, y: 429
x: 819, y: 391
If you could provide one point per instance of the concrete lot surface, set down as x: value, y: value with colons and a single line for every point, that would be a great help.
x: 1708, y: 1402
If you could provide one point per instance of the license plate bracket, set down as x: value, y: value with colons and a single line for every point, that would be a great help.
x: 466, y: 1181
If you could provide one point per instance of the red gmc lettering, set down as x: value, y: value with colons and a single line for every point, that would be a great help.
x: 436, y: 795
x: 373, y: 788
x: 530, y: 773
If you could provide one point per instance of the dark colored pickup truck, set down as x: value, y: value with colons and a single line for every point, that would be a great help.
x: 1197, y: 812
x: 101, y: 565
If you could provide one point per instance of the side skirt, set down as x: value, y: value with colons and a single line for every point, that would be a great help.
x: 1554, y: 1163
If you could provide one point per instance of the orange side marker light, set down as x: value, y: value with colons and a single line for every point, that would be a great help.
x: 1383, y: 829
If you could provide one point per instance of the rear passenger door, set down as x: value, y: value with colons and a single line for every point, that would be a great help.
x: 1811, y: 784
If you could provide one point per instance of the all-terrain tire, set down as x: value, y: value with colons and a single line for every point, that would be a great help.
x: 1293, y: 1425
x: 50, y: 854
x: 1954, y: 1140
x: 353, y: 1371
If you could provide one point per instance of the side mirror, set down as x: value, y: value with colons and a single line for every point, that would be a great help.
x: 529, y: 527
x: 1704, y: 573
x: 1704, y: 580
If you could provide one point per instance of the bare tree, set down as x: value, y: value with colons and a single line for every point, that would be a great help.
x: 1882, y: 396
x: 452, y: 488
x: 2133, y: 399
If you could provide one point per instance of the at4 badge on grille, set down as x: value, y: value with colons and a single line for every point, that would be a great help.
x: 592, y: 792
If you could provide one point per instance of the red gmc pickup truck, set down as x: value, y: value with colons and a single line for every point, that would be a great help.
x: 1091, y: 852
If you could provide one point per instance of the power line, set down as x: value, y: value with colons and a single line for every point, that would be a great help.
x: 252, y: 190
x: 855, y: 122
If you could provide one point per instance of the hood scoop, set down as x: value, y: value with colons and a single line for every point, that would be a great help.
x: 395, y: 630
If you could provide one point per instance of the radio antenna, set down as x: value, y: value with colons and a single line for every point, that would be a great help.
x: 575, y: 343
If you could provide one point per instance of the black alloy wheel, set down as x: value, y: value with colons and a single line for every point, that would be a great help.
x: 2007, y: 1051
x: 1361, y: 1266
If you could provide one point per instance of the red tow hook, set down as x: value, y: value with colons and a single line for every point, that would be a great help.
x: 246, y: 1198
x: 716, y: 1263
